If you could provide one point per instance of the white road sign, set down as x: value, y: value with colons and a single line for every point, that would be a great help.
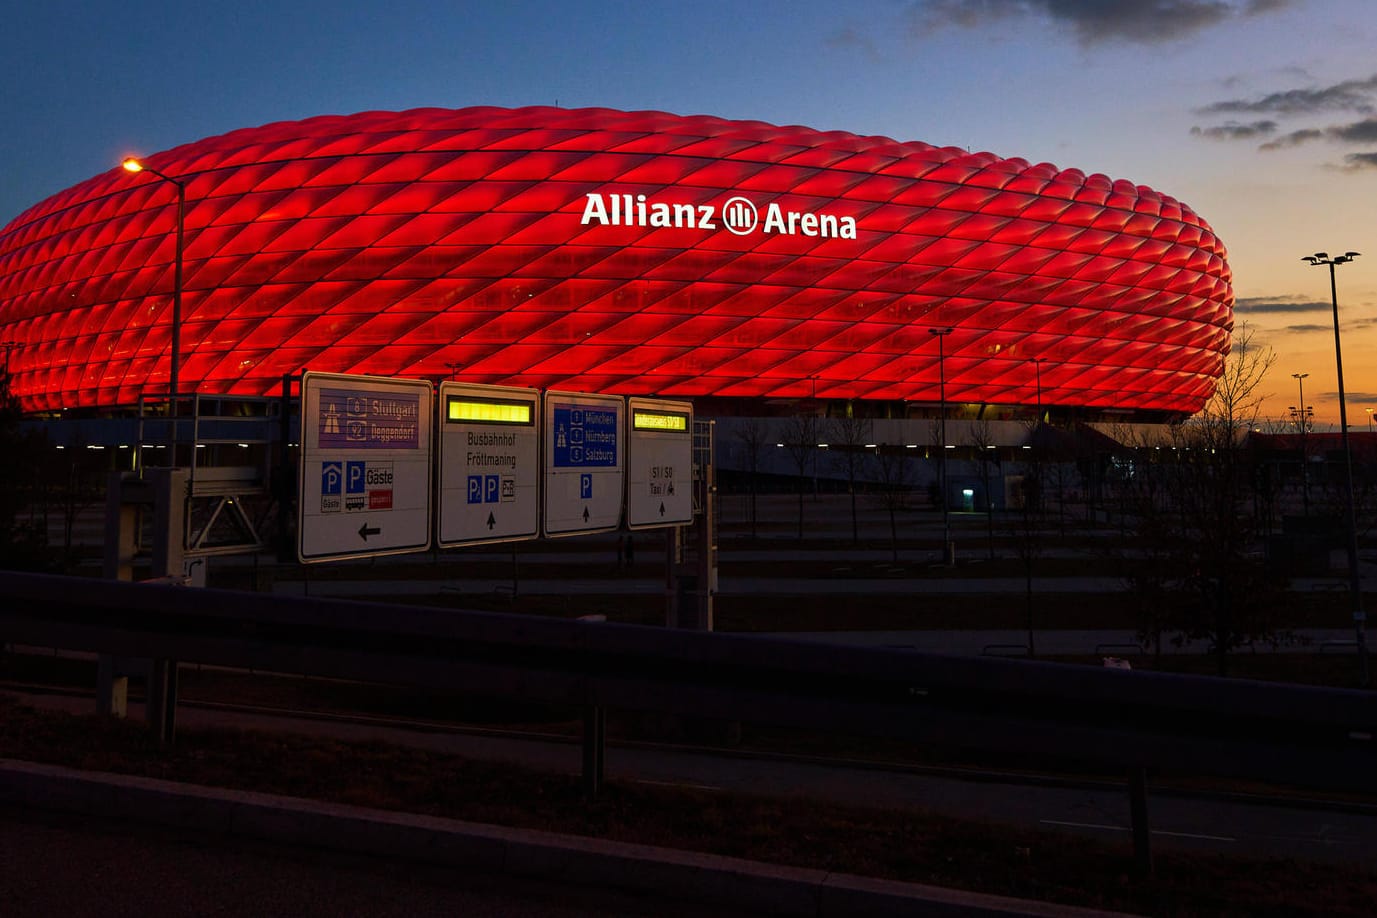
x: 365, y: 467
x: 489, y: 464
x: 659, y: 463
x: 584, y: 464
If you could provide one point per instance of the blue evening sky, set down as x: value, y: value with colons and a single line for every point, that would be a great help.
x: 1259, y: 114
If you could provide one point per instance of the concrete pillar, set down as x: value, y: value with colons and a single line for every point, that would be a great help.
x: 163, y: 492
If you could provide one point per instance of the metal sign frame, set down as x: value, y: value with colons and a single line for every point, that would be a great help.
x: 366, y: 448
x: 490, y: 467
x: 659, y: 461
x: 584, y: 456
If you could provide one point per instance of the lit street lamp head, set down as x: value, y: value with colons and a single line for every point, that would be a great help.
x: 131, y: 164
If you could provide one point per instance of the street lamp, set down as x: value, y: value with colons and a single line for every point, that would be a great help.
x: 1355, y: 584
x: 1301, y: 415
x: 1300, y: 379
x: 940, y: 334
x: 133, y: 165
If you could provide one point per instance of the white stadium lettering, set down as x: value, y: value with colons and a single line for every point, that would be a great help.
x: 739, y: 216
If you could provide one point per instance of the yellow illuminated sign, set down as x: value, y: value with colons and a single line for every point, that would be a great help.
x: 659, y: 420
x: 487, y: 411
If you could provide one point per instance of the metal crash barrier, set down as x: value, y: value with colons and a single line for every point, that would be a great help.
x: 1127, y: 720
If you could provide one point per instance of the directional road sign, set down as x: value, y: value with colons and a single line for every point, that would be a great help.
x: 659, y: 463
x: 365, y: 467
x: 584, y: 465
x: 489, y: 464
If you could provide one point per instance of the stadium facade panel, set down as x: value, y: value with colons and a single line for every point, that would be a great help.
x: 621, y: 252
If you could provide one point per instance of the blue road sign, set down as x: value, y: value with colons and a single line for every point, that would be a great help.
x: 331, y: 477
x: 354, y: 478
x: 356, y: 419
x: 585, y: 437
x: 483, y: 489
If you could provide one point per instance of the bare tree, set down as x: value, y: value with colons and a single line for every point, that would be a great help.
x: 801, y: 433
x: 1027, y: 531
x: 1149, y: 564
x: 23, y: 545
x: 982, y: 439
x: 753, y: 436
x: 847, y: 437
x: 1196, y: 520
x: 936, y: 495
x: 895, y: 483
x: 1057, y: 474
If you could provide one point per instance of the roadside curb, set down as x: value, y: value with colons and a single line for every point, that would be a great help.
x: 735, y: 882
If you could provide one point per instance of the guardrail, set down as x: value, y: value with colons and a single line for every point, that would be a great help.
x: 1005, y: 650
x: 1119, y: 647
x: 1113, y: 718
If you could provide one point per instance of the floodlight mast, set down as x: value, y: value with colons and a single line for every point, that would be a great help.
x: 1355, y: 583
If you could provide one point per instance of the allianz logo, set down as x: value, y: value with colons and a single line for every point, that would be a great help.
x: 738, y: 215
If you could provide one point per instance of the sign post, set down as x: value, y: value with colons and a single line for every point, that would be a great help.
x: 489, y: 464
x: 584, y: 464
x: 659, y: 459
x: 365, y: 467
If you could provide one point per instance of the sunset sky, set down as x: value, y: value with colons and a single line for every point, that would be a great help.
x: 1259, y: 114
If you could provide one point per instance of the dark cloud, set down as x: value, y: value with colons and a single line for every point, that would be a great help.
x: 1350, y: 324
x: 1364, y: 131
x: 1093, y: 22
x: 1232, y: 130
x: 1293, y: 139
x: 1273, y: 305
x: 1356, y: 132
x: 1349, y: 95
x: 1356, y: 161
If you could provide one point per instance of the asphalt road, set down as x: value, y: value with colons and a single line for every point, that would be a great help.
x: 1234, y: 824
x: 59, y: 865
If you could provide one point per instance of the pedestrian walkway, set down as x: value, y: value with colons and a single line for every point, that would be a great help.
x: 727, y: 586
x: 1110, y: 642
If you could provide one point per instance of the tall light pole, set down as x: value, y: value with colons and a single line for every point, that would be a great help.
x: 1355, y: 583
x: 940, y: 334
x: 1302, y: 419
x: 133, y: 165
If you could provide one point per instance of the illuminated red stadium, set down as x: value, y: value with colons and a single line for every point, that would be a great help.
x: 621, y: 252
